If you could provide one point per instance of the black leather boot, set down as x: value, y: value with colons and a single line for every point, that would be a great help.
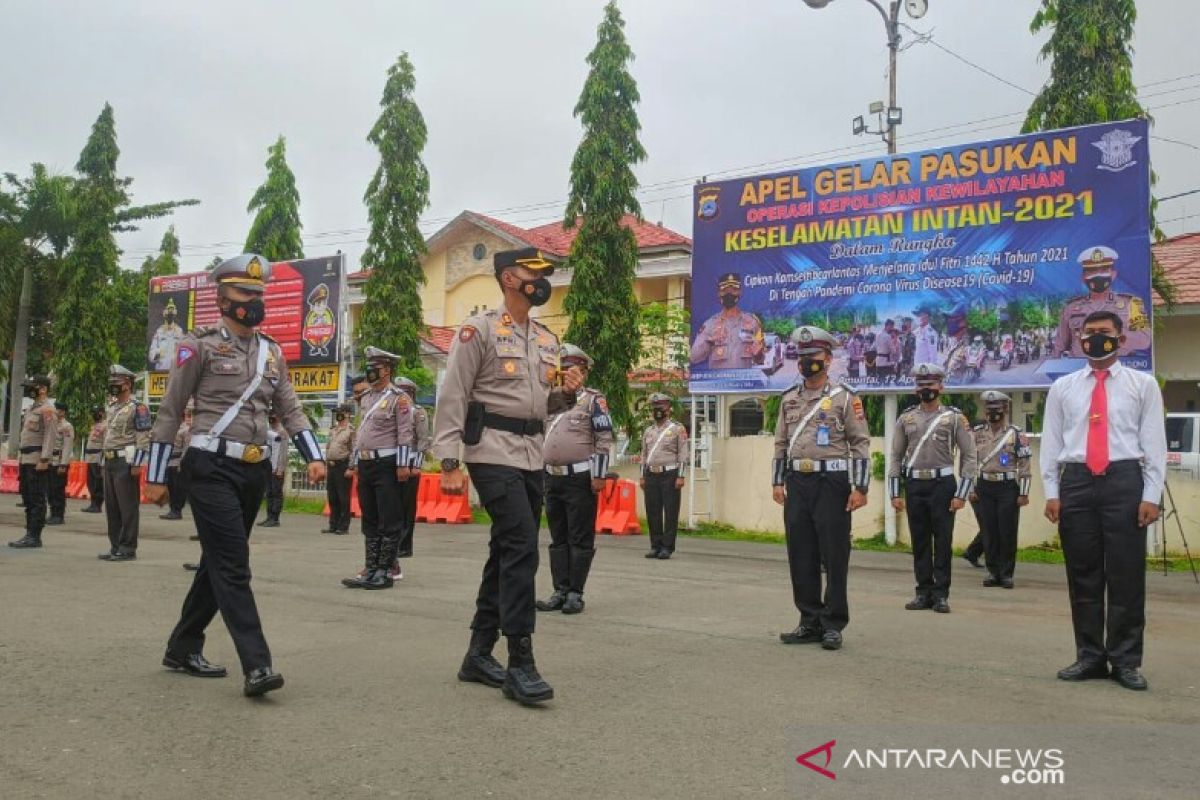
x: 573, y: 604
x: 521, y: 680
x: 27, y: 541
x: 371, y: 547
x: 379, y: 578
x: 479, y: 665
x: 554, y: 602
x: 581, y: 565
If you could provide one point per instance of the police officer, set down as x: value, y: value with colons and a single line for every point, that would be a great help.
x: 166, y: 338
x: 926, y: 337
x: 126, y: 441
x: 731, y: 338
x: 578, y: 442
x: 382, y: 454
x: 177, y: 481
x: 64, y: 444
x: 923, y: 453
x: 1099, y: 274
x: 500, y: 385
x: 337, y: 483
x: 93, y: 456
x: 958, y: 341
x: 36, y: 445
x: 664, y: 460
x: 422, y: 441
x: 1003, y: 488
x: 820, y: 475
x: 277, y: 440
x: 235, y: 374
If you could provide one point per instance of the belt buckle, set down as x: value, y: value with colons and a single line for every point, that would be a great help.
x: 806, y: 465
x: 252, y: 454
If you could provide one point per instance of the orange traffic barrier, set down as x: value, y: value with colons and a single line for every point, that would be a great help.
x: 76, y: 479
x: 142, y: 485
x: 427, y: 495
x: 450, y: 509
x: 10, y: 477
x: 355, y: 509
x: 616, y: 509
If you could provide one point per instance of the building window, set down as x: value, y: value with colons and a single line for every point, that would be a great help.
x: 479, y: 252
x: 745, y: 418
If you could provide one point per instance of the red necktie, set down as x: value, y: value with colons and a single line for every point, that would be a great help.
x: 1097, y: 438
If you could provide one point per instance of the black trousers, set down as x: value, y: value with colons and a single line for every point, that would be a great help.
x: 662, y: 509
x: 931, y: 527
x: 225, y: 495
x: 95, y: 483
x: 124, y: 495
x: 513, y: 499
x: 1105, y: 552
x: 34, y: 485
x: 337, y: 492
x: 818, y: 530
x: 978, y: 545
x: 571, y: 514
x: 409, y: 489
x: 274, y: 496
x: 380, y: 499
x: 177, y: 487
x: 998, y: 516
x: 56, y: 494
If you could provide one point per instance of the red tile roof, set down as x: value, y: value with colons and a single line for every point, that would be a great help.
x: 557, y: 240
x: 1180, y: 260
x: 439, y: 337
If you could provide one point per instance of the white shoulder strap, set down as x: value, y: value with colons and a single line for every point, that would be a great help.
x: 661, y: 436
x: 804, y: 422
x: 925, y: 437
x: 264, y: 349
x: 1003, y: 441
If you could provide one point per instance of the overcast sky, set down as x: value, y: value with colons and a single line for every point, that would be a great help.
x: 201, y: 90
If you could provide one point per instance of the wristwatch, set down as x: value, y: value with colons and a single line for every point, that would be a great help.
x: 449, y: 464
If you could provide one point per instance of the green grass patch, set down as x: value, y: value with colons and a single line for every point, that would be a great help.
x: 728, y: 533
x: 303, y: 505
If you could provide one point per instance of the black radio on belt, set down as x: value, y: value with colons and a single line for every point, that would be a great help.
x: 473, y: 425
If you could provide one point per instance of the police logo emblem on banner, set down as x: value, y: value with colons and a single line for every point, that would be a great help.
x: 1116, y: 150
x: 707, y: 203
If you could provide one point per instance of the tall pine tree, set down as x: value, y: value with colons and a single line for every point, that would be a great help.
x: 396, y: 197
x: 1091, y: 77
x: 600, y: 304
x: 275, y: 232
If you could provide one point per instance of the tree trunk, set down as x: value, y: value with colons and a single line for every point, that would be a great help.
x: 20, y: 358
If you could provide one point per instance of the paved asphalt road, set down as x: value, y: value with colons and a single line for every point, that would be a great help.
x: 671, y: 685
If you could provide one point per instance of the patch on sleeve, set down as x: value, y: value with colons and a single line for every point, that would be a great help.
x: 859, y: 414
x: 183, y: 354
x: 466, y: 333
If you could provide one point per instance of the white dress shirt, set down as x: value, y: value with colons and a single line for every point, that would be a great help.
x: 1136, y: 426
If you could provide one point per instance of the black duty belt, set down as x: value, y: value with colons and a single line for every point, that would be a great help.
x: 111, y: 454
x: 32, y: 449
x: 91, y: 452
x: 521, y: 427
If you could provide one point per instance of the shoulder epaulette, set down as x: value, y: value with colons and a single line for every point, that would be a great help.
x: 907, y: 410
x: 206, y: 330
x: 268, y: 337
x: 848, y: 388
x: 980, y: 426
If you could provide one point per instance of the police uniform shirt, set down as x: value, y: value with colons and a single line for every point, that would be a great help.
x: 386, y: 423
x: 665, y: 445
x: 511, y: 370
x: 37, y: 430
x: 93, y: 449
x: 1009, y: 449
x: 422, y: 437
x: 834, y: 428
x: 215, y: 366
x: 950, y: 430
x: 958, y: 355
x: 885, y: 348
x: 927, y: 345
x: 1135, y: 324
x: 729, y: 341
x: 341, y: 443
x: 182, y: 437
x: 583, y: 432
x: 1135, y: 426
x: 128, y: 427
x: 64, y: 442
x: 279, y: 449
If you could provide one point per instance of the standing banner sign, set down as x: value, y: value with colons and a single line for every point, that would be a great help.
x: 303, y: 311
x: 983, y: 258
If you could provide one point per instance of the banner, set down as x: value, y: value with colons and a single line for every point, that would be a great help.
x: 983, y: 258
x: 303, y: 312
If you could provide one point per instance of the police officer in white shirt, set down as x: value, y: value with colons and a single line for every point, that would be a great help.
x: 1103, y: 461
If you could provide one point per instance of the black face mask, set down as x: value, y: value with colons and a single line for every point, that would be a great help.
x: 372, y: 375
x: 995, y: 416
x: 1100, y: 346
x: 114, y: 389
x: 729, y: 300
x: 928, y: 395
x: 97, y: 416
x: 31, y: 392
x: 812, y: 367
x: 169, y: 319
x: 1099, y: 285
x: 247, y: 312
x: 536, y: 291
x: 341, y: 417
x: 659, y: 413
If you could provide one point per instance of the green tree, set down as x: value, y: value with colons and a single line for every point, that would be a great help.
x: 396, y: 196
x: 600, y: 304
x: 275, y: 232
x: 167, y: 260
x: 1091, y: 79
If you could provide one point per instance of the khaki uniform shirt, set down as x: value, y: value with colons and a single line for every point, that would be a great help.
x: 341, y: 443
x: 386, y: 422
x: 1012, y: 455
x: 182, y: 437
x: 277, y: 438
x: 950, y: 431
x: 665, y: 445
x: 422, y: 437
x: 64, y: 443
x: 511, y: 370
x: 834, y: 428
x: 582, y: 432
x: 37, y: 430
x: 729, y: 340
x: 93, y: 450
x: 128, y: 429
x: 1136, y: 325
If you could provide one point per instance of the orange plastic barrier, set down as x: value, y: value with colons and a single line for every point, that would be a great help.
x: 616, y: 509
x: 438, y: 507
x: 142, y: 484
x: 427, y: 495
x: 355, y: 508
x: 10, y: 476
x: 77, y: 479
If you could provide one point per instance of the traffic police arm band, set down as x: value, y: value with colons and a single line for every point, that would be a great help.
x: 307, y: 444
x: 964, y: 488
x: 1024, y: 490
x: 140, y: 458
x: 778, y: 471
x: 417, y: 460
x: 159, y: 460
x: 860, y: 473
x: 894, y: 487
x: 599, y: 465
x: 403, y: 456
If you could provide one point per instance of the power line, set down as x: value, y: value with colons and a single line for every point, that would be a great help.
x: 1180, y: 194
x: 928, y: 37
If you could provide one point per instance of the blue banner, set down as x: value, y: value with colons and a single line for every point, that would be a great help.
x: 983, y: 258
